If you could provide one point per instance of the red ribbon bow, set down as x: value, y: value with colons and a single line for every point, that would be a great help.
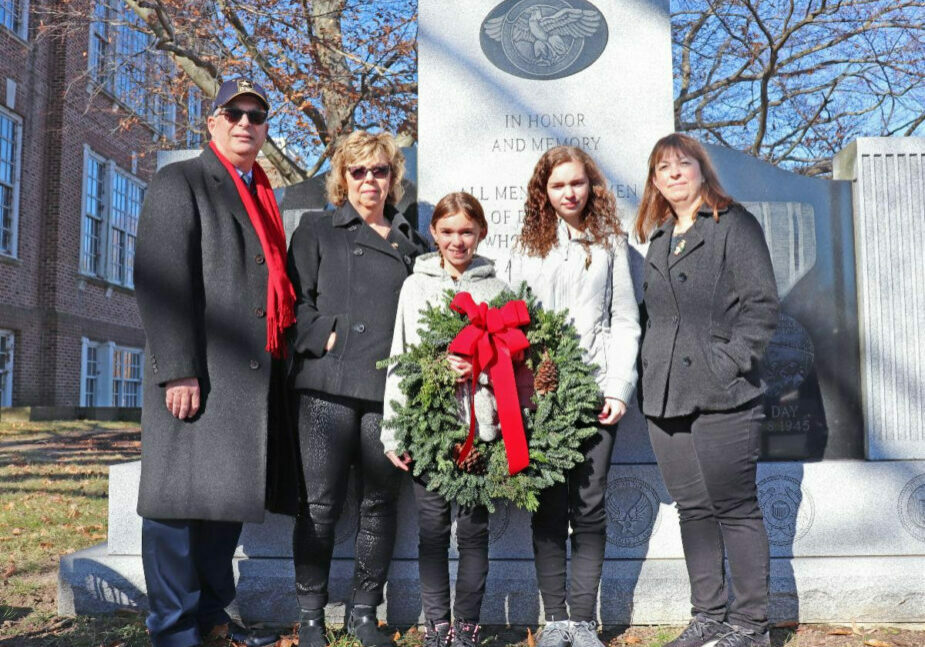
x: 493, y: 341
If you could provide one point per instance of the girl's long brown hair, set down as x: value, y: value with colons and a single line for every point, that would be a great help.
x: 654, y: 209
x: 540, y: 227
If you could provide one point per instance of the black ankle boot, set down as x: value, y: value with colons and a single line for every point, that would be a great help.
x: 362, y: 625
x: 312, y: 632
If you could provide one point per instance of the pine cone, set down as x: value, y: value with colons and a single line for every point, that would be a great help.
x: 474, y: 463
x: 547, y: 376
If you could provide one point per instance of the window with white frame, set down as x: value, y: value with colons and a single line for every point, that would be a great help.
x: 9, y: 183
x: 112, y: 200
x: 6, y: 368
x: 14, y: 15
x: 126, y: 377
x: 101, y: 361
x: 123, y: 62
x: 194, y: 118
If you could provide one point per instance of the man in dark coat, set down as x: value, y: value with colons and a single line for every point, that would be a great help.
x: 210, y: 282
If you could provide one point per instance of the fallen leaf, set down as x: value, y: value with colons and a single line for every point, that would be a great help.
x: 285, y: 642
x: 873, y: 642
x: 382, y: 623
x: 840, y: 631
x: 17, y: 531
x: 531, y: 641
x: 789, y: 624
x: 631, y: 640
x: 9, y: 572
x: 396, y: 635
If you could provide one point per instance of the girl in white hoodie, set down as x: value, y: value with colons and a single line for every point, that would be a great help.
x: 458, y: 226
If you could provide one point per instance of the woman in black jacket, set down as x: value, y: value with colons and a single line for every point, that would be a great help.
x: 347, y: 267
x: 711, y: 306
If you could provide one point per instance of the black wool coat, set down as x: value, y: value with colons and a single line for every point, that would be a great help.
x: 201, y: 287
x: 347, y: 280
x: 710, y: 312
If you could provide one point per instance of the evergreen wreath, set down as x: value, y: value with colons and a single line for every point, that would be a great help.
x: 428, y: 425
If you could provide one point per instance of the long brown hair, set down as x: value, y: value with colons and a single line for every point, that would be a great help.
x: 540, y: 227
x: 654, y: 209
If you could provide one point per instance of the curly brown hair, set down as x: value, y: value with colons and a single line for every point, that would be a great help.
x: 654, y: 209
x: 540, y: 227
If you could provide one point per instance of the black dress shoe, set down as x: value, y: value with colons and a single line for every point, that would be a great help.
x: 238, y: 634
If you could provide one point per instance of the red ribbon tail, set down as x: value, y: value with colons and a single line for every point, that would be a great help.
x: 512, y: 424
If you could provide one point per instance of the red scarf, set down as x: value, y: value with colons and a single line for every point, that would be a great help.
x: 265, y: 218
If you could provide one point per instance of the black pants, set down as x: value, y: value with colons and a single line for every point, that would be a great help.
x: 578, y: 502
x: 433, y: 561
x: 189, y: 577
x: 334, y: 433
x: 708, y: 462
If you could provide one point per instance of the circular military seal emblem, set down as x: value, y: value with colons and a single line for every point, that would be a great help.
x: 788, y: 509
x: 349, y: 522
x: 499, y: 521
x: 632, y: 511
x: 912, y: 507
x: 543, y: 39
x: 788, y: 358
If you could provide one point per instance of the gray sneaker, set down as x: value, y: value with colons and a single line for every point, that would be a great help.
x: 584, y: 634
x: 701, y: 632
x: 742, y: 637
x: 554, y: 634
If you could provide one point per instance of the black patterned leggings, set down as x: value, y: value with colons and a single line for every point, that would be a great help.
x: 334, y: 433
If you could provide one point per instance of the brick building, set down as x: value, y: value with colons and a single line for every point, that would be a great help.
x: 72, y: 180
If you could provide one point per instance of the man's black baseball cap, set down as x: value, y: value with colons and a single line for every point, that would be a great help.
x: 237, y: 87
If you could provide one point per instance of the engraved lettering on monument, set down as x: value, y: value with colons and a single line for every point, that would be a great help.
x: 632, y: 511
x: 912, y: 507
x: 788, y: 509
x: 543, y: 39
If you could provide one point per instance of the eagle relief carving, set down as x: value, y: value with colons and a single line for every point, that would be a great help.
x: 544, y: 39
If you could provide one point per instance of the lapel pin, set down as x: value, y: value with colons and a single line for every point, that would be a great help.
x: 680, y: 247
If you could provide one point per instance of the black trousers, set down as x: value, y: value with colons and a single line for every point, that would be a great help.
x: 335, y: 433
x: 189, y: 577
x: 579, y: 503
x: 708, y: 462
x: 433, y: 560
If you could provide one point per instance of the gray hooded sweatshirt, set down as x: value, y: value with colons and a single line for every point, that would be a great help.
x: 426, y: 286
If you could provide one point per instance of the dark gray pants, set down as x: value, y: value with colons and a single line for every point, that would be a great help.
x: 334, y: 433
x: 433, y: 558
x: 708, y: 461
x: 579, y: 503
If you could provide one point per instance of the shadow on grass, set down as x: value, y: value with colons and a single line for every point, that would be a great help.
x: 13, y: 613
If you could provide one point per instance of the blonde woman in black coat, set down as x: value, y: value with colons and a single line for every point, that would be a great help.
x: 711, y: 308
x: 348, y: 267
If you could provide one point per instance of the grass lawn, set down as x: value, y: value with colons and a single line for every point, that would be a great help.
x: 53, y: 501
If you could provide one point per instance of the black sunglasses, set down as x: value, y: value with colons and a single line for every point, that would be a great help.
x: 256, y: 117
x: 379, y: 171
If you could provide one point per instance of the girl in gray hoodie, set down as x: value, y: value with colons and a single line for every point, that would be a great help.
x: 457, y: 226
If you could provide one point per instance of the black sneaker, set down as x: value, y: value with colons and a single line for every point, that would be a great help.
x: 700, y: 632
x: 437, y: 634
x: 741, y: 637
x: 465, y: 634
x: 312, y: 632
x: 362, y: 625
